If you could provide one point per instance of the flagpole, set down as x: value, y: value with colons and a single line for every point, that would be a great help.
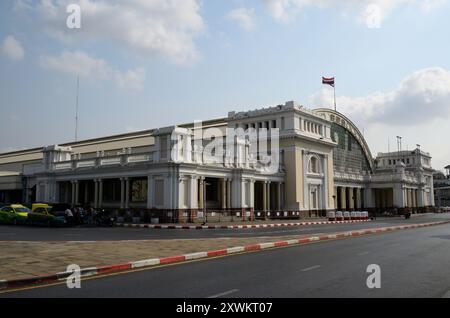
x: 334, y: 86
x: 76, y: 109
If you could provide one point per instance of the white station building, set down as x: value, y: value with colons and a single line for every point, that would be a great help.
x: 324, y: 165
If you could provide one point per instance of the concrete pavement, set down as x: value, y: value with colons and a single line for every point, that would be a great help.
x: 414, y: 263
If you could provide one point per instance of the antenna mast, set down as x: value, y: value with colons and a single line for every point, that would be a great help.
x: 76, y: 109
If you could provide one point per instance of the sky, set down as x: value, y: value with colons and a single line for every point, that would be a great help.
x: 153, y: 63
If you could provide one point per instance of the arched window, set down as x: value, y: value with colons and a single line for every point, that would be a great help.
x: 314, y: 165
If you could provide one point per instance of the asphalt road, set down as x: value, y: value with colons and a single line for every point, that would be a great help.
x: 22, y: 233
x: 414, y: 263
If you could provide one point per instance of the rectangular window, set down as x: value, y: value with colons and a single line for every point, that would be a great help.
x: 139, y: 190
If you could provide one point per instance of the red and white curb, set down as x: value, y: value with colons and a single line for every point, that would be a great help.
x: 86, y: 272
x: 227, y: 227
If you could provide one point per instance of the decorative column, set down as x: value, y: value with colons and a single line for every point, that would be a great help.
x: 100, y: 195
x: 122, y: 193
x: 127, y: 193
x: 150, y: 192
x: 268, y: 195
x: 408, y: 195
x: 351, y: 200
x: 73, y: 193
x: 358, y: 198
x: 193, y: 197
x: 96, y: 193
x: 252, y: 194
x: 229, y: 194
x: 86, y: 198
x: 223, y: 193
x: 77, y: 192
x: 265, y: 196
x: 343, y: 199
x: 279, y: 196
x: 201, y: 192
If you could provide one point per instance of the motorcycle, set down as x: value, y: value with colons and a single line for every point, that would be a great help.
x: 103, y: 218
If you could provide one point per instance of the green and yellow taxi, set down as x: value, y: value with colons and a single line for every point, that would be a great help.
x: 14, y: 214
x: 42, y: 215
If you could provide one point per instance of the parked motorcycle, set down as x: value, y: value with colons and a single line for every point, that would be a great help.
x: 104, y: 218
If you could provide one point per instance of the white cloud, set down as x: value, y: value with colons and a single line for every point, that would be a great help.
x: 12, y: 48
x: 287, y: 10
x: 131, y: 79
x: 418, y: 109
x: 84, y: 65
x: 420, y: 98
x: 244, y: 17
x: 166, y: 28
x: 78, y: 63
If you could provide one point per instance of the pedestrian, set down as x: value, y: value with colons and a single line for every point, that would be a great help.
x: 90, y: 216
x: 69, y: 217
x: 76, y: 216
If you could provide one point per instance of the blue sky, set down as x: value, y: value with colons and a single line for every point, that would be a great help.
x: 154, y: 63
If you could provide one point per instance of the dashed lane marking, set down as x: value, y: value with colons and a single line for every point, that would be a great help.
x: 310, y: 268
x: 228, y: 292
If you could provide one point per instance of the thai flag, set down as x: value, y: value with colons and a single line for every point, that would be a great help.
x: 328, y: 81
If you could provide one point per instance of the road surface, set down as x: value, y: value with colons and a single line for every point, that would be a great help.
x: 22, y: 233
x: 414, y: 263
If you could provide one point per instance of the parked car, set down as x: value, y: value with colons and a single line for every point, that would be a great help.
x: 14, y: 214
x: 59, y: 212
x: 42, y: 215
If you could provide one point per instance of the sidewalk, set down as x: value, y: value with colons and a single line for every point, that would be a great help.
x: 26, y: 259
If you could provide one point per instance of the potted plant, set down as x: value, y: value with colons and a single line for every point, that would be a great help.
x: 136, y: 216
x: 121, y: 216
x: 127, y: 217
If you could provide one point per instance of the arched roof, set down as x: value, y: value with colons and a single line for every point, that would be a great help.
x: 346, y: 123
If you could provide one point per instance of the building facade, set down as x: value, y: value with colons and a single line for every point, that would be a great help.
x: 312, y: 161
x: 442, y: 188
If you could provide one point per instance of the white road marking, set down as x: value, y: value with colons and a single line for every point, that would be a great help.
x: 363, y: 253
x: 224, y: 293
x: 310, y: 268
